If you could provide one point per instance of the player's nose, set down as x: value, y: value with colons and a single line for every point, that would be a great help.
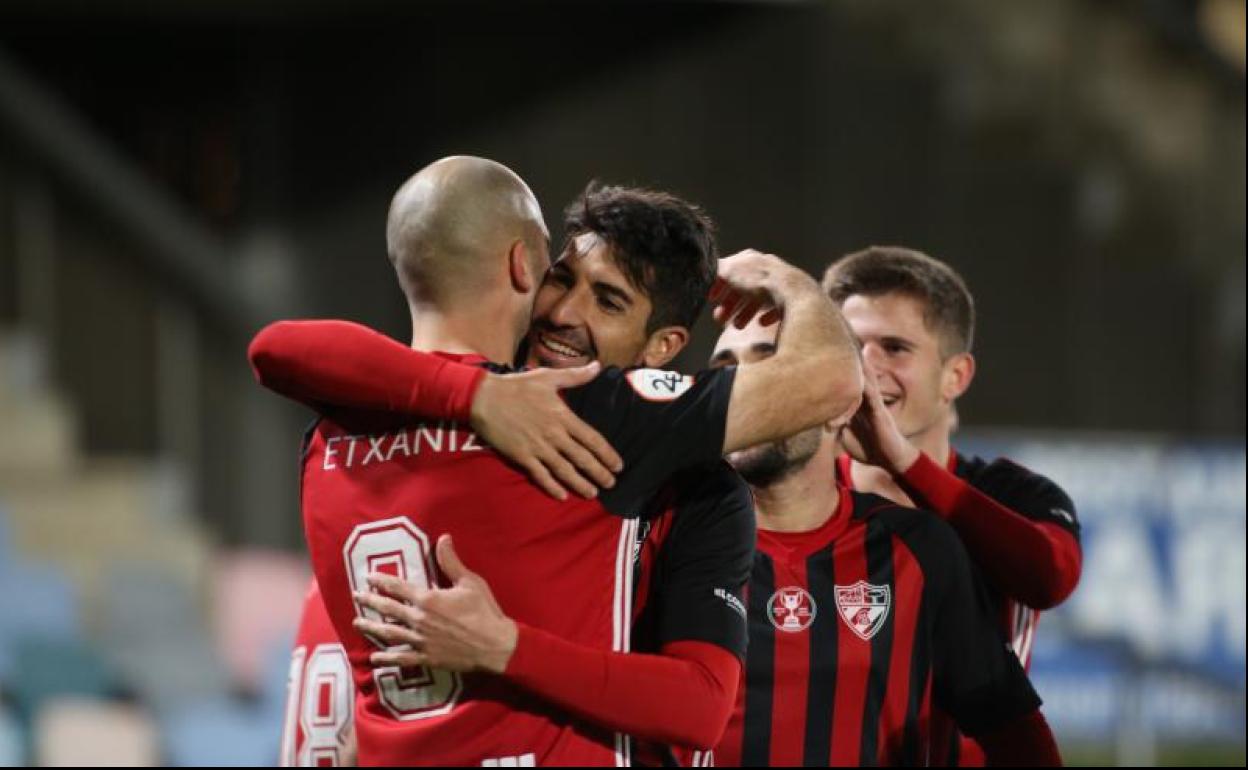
x: 874, y: 356
x: 566, y: 312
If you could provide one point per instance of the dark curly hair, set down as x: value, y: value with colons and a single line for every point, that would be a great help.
x: 664, y: 245
x: 948, y: 308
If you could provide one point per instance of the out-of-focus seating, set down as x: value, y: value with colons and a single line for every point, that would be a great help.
x: 219, y: 733
x: 152, y: 632
x: 82, y: 732
x: 51, y: 667
x: 36, y: 600
x: 257, y: 598
x: 12, y: 741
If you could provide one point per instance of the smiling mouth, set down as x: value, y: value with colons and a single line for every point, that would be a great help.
x: 558, y: 347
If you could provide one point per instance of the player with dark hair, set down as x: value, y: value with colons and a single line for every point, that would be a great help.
x: 863, y: 615
x: 695, y: 418
x: 915, y: 319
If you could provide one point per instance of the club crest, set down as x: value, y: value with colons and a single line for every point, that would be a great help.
x: 864, y: 607
x: 791, y: 609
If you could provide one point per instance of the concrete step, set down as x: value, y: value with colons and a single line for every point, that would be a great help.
x: 104, y: 513
x: 40, y: 433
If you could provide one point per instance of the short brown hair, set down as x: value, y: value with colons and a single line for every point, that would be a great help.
x: 663, y: 244
x: 948, y: 308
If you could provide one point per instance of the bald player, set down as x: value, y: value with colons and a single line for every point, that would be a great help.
x: 379, y: 491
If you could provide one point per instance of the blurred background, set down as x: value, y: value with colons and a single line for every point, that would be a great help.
x: 174, y: 176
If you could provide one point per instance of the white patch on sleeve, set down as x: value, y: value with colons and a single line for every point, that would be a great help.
x: 659, y: 384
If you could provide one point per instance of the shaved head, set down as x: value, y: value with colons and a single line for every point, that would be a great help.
x: 452, y: 225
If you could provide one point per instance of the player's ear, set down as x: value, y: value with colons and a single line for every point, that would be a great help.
x: 958, y: 372
x: 663, y: 345
x: 520, y: 268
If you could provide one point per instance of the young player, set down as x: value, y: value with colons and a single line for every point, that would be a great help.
x: 915, y: 320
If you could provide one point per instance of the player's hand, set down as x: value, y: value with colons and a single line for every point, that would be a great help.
x: 750, y: 283
x: 872, y: 436
x: 523, y: 417
x: 460, y: 628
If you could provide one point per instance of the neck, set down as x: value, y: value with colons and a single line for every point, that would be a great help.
x: 477, y: 332
x: 802, y: 501
x: 934, y: 442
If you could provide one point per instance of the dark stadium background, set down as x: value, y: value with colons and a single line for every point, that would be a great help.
x: 173, y: 177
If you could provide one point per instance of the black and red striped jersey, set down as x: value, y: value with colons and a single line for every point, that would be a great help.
x: 1024, y: 492
x: 858, y: 630
x: 1033, y: 496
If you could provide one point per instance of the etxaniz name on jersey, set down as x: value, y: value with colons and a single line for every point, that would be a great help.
x: 351, y: 451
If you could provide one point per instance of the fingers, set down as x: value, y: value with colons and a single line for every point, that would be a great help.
x: 390, y: 634
x: 392, y: 586
x: 594, y: 441
x: 575, y: 376
x: 386, y: 606
x: 567, y: 474
x: 587, y: 464
x: 727, y: 306
x: 717, y: 289
x: 772, y: 316
x: 541, y: 477
x: 399, y: 658
x: 449, y: 562
x: 747, y: 312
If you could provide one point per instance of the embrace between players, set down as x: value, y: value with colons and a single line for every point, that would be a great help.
x: 869, y: 598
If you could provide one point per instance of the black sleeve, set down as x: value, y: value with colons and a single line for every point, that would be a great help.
x: 1030, y: 494
x: 976, y: 679
x: 660, y: 422
x: 705, y: 563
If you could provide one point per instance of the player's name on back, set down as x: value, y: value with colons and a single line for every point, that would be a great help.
x: 350, y: 451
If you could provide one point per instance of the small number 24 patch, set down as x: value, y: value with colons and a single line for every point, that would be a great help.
x: 658, y: 384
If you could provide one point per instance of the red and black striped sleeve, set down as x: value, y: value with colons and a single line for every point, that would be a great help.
x: 1019, y: 527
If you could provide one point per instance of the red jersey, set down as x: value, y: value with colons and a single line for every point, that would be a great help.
x: 320, y: 696
x: 856, y: 630
x: 379, y: 489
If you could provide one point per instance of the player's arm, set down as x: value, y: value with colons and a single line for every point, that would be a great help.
x: 815, y: 375
x: 327, y: 364
x: 700, y: 572
x: 975, y: 678
x: 683, y: 696
x: 339, y: 363
x: 1030, y: 555
x: 1034, y: 560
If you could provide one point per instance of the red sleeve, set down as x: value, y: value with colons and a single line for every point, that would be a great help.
x: 1037, y: 563
x: 345, y: 364
x: 682, y: 697
x: 1026, y: 742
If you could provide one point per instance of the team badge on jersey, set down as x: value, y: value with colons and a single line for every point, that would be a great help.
x: 864, y: 607
x: 792, y: 609
x: 659, y: 384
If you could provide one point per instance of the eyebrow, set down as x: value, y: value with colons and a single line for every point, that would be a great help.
x: 614, y: 291
x: 894, y: 340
